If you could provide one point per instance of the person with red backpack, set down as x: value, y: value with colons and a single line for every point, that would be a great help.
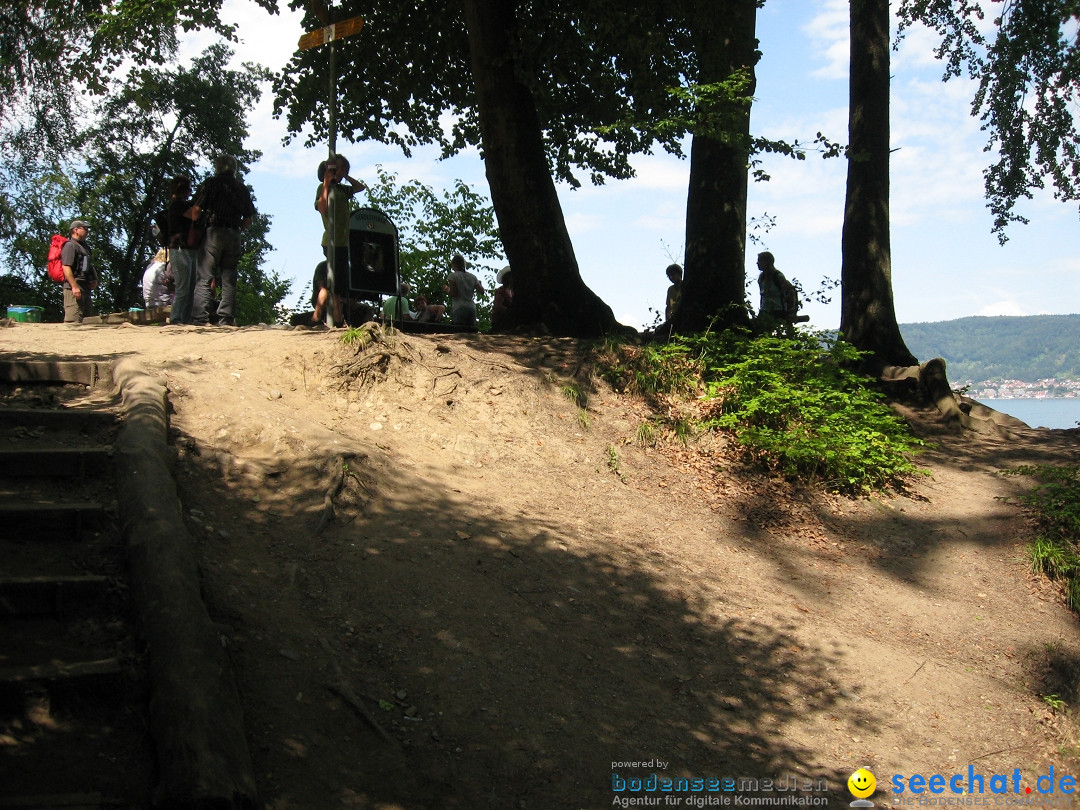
x: 79, y: 275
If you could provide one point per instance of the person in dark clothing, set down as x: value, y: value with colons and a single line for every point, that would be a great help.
x: 227, y: 205
x: 674, y: 292
x: 182, y: 256
x: 502, y: 310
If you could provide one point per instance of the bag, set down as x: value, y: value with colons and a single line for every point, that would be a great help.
x: 161, y: 227
x: 54, y: 265
x: 195, y: 235
x: 790, y: 297
x: 196, y: 232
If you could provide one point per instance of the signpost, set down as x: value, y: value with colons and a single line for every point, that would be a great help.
x: 313, y: 39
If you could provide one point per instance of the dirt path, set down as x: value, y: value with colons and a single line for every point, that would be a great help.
x: 530, y: 606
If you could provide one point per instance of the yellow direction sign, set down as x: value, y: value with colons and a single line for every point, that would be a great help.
x: 339, y: 30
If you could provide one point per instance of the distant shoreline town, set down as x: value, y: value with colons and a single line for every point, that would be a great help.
x: 1015, y: 389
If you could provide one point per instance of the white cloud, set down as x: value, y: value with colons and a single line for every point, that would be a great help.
x: 581, y: 223
x: 828, y: 33
x: 1002, y: 308
x: 666, y: 172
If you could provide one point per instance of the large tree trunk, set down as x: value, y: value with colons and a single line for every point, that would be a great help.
x: 547, y: 284
x: 715, y: 263
x: 868, y: 316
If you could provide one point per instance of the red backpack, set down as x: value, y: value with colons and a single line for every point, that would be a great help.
x: 55, y: 266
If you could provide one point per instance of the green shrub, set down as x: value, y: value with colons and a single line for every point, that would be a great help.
x: 792, y: 404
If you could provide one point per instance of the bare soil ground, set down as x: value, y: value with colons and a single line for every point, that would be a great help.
x: 513, y: 600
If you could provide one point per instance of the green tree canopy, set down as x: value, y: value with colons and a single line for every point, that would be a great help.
x: 406, y: 79
x: 158, y: 123
x: 152, y: 123
x: 1027, y: 67
x: 54, y: 47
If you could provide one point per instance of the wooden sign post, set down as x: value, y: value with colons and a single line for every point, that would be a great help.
x: 329, y: 33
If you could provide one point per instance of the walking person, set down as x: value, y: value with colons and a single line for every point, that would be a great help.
x: 227, y: 204
x: 79, y: 275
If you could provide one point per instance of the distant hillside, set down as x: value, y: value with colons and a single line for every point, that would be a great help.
x: 1029, y: 348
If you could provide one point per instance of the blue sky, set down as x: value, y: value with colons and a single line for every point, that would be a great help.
x: 946, y: 263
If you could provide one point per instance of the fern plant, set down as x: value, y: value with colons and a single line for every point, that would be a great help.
x: 792, y: 404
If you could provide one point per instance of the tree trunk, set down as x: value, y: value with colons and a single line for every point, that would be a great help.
x: 868, y: 316
x: 548, y: 287
x: 714, y: 283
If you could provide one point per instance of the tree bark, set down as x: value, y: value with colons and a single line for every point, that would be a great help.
x: 868, y: 315
x: 196, y: 717
x: 548, y: 287
x: 714, y: 284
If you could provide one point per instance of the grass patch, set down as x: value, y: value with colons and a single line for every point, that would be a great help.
x: 1054, y: 503
x: 791, y: 404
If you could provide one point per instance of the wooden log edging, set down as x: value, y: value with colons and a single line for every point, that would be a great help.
x: 195, y: 714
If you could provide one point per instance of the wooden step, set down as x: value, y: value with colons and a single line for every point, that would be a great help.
x: 61, y: 801
x: 38, y: 521
x: 28, y: 596
x: 55, y: 462
x: 55, y: 418
x: 60, y: 671
x: 82, y: 372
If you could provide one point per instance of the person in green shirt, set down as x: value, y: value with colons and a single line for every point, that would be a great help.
x: 336, y: 188
x: 396, y: 307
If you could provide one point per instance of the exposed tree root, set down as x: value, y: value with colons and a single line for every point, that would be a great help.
x: 339, y: 470
x: 342, y: 689
x: 374, y: 350
x: 928, y: 383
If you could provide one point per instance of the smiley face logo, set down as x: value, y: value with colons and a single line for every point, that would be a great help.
x: 862, y: 783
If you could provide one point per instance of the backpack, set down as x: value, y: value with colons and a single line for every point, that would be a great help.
x: 790, y: 297
x: 55, y: 266
x: 161, y: 227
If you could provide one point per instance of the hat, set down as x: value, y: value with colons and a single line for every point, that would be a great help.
x: 503, y: 274
x: 78, y: 223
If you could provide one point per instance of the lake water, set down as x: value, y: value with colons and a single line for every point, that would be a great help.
x: 1058, y: 412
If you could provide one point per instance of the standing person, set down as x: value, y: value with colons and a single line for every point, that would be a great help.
x: 336, y: 188
x: 502, y: 310
x: 674, y: 292
x: 462, y: 286
x: 79, y: 275
x: 229, y: 209
x: 181, y: 253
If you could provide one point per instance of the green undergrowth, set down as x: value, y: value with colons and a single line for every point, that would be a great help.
x: 791, y: 404
x: 1054, y: 503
